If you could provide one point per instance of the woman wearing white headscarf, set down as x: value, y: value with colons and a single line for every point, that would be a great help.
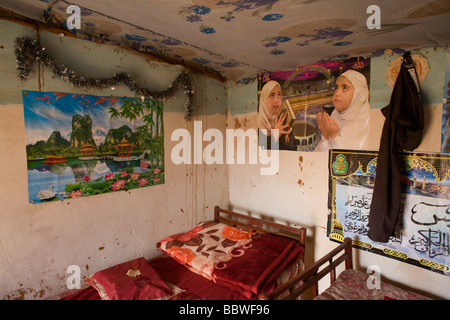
x: 270, y: 101
x: 348, y: 125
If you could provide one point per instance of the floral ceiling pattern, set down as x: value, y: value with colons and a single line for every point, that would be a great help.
x: 239, y: 39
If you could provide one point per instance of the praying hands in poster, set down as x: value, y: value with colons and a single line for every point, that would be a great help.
x: 275, y: 126
x: 348, y: 125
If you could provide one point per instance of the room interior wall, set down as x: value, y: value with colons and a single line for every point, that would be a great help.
x: 298, y: 193
x: 38, y: 242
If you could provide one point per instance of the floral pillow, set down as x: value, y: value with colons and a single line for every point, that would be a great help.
x: 206, y: 246
x: 132, y: 280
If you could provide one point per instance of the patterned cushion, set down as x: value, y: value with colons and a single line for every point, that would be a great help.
x: 352, y: 285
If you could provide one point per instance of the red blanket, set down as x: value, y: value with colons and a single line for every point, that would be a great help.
x: 257, y: 269
x: 245, y: 261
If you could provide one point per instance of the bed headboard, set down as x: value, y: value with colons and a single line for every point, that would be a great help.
x: 257, y: 224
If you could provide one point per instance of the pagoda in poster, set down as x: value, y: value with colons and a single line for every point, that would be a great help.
x: 124, y: 151
x: 87, y: 150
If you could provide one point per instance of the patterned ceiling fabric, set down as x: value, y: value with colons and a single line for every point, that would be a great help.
x: 239, y: 39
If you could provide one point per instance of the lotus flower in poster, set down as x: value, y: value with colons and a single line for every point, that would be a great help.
x: 82, y: 145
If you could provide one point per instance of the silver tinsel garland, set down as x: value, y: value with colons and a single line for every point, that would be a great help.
x: 28, y: 51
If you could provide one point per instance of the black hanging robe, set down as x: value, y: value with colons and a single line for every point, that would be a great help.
x: 402, y: 130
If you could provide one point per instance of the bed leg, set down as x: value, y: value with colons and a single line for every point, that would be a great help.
x: 332, y: 274
x: 315, y: 290
x: 348, y: 251
x: 216, y: 213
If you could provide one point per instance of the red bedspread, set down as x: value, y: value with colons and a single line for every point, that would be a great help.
x: 193, y: 286
x: 245, y: 261
x: 217, y: 261
x: 256, y: 270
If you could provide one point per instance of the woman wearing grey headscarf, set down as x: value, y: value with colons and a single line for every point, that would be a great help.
x: 348, y: 125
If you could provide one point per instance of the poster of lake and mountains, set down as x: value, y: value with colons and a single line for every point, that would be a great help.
x: 80, y: 145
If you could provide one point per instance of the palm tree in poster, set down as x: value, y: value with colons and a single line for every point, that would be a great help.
x: 151, y: 134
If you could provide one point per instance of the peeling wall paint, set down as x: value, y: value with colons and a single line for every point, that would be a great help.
x: 298, y: 194
x: 39, y: 242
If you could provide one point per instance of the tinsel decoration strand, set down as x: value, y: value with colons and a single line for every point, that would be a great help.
x: 27, y: 51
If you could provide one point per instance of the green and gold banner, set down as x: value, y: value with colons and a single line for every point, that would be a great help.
x: 422, y: 236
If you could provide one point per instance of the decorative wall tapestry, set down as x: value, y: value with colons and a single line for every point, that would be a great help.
x: 423, y: 232
x: 81, y: 145
x: 307, y: 91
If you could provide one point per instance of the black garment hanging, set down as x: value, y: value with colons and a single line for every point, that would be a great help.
x: 402, y: 131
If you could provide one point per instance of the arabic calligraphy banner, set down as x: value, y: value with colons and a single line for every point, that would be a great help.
x: 81, y: 145
x: 423, y: 232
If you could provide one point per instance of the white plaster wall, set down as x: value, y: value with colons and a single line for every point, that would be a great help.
x: 38, y: 242
x: 298, y: 194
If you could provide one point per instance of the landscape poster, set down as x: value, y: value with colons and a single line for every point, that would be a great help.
x: 422, y: 236
x: 80, y: 145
